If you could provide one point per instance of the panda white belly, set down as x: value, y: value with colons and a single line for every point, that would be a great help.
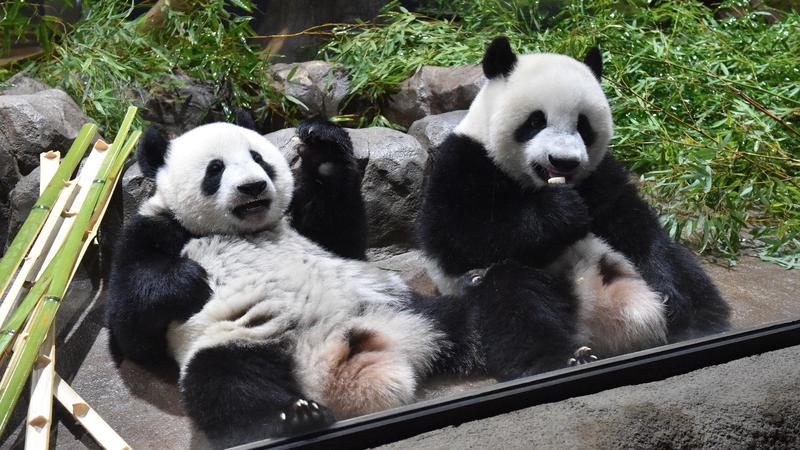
x: 356, y: 346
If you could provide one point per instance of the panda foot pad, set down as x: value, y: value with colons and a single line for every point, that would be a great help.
x: 303, y: 415
x: 583, y: 355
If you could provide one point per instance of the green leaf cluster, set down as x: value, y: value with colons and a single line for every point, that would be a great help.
x: 707, y: 110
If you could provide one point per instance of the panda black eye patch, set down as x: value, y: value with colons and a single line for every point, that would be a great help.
x: 535, y: 123
x: 264, y: 165
x: 213, y: 177
x: 585, y: 130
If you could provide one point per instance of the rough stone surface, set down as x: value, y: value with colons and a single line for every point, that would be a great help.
x: 431, y: 131
x: 392, y: 179
x: 434, y: 90
x: 320, y: 85
x: 392, y: 183
x: 22, y: 84
x: 744, y: 404
x: 21, y: 201
x: 9, y: 174
x: 181, y: 104
x: 38, y: 122
x: 136, y: 188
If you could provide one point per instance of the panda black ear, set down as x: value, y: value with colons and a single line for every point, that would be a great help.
x: 245, y: 120
x: 594, y: 59
x: 152, y: 148
x: 499, y: 59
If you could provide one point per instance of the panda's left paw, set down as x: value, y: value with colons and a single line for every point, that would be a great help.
x: 303, y: 415
x: 582, y: 355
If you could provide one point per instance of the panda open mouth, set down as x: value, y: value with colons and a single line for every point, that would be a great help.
x: 546, y: 174
x: 250, y: 208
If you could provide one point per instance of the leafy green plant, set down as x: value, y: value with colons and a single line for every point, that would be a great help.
x: 106, y: 61
x: 707, y: 111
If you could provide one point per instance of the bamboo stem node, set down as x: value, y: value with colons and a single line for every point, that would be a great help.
x: 38, y: 421
x: 80, y: 409
x: 52, y: 155
x: 42, y: 361
x: 101, y: 145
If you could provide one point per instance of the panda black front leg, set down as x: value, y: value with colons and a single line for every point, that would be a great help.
x: 327, y: 206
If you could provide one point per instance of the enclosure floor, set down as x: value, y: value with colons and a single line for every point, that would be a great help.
x: 145, y: 409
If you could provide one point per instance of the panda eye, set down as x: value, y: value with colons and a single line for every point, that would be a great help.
x: 256, y: 156
x: 215, y: 167
x: 585, y: 130
x: 535, y: 123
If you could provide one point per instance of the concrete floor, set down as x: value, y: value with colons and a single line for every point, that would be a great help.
x: 145, y: 409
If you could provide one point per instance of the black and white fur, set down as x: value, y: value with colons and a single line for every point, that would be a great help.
x: 274, y: 332
x: 542, y: 116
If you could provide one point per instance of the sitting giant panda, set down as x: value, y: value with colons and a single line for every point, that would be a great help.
x: 273, y: 332
x: 540, y: 118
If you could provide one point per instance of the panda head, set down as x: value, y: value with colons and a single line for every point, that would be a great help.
x: 541, y: 115
x: 218, y: 178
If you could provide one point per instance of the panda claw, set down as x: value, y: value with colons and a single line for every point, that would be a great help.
x: 582, y: 355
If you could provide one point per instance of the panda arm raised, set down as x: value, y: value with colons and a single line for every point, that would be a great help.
x: 475, y: 215
x: 327, y: 206
x: 151, y: 285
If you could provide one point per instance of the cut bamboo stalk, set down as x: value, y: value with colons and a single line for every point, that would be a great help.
x: 88, y: 417
x: 30, y: 228
x: 17, y: 319
x: 41, y: 246
x: 89, y: 172
x: 40, y: 406
x: 60, y: 269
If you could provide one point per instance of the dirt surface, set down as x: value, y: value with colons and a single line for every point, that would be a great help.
x: 145, y: 409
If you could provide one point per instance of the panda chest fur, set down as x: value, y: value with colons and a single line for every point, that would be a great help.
x: 277, y: 285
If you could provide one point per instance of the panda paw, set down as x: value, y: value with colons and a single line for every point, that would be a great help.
x: 583, y: 355
x: 303, y: 415
x: 567, y: 205
x: 326, y: 147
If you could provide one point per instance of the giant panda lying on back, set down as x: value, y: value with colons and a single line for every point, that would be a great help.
x: 541, y: 117
x: 273, y: 332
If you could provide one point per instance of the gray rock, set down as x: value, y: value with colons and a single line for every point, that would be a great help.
x: 182, y: 103
x: 22, y: 84
x: 434, y: 90
x: 34, y: 123
x: 394, y: 164
x: 431, y: 131
x: 9, y: 174
x: 136, y: 188
x: 21, y: 200
x: 392, y: 183
x: 320, y: 85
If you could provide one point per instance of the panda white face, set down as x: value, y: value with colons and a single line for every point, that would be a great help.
x: 542, y: 116
x: 224, y: 179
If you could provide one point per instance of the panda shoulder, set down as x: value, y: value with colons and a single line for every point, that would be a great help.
x: 160, y: 231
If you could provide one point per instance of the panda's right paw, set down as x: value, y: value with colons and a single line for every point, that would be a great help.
x: 567, y: 207
x: 326, y: 147
x: 303, y: 415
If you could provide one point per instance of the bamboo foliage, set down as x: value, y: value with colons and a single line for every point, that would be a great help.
x: 43, y: 300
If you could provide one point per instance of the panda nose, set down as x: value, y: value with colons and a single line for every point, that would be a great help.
x: 253, y: 189
x: 563, y: 164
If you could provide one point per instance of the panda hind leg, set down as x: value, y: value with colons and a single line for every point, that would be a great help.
x: 236, y: 394
x: 364, y: 374
x: 620, y: 312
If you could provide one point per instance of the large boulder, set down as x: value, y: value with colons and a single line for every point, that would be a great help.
x: 319, y: 85
x: 21, y: 200
x: 22, y: 84
x: 136, y: 188
x: 394, y: 164
x: 431, y: 131
x: 180, y: 104
x: 434, y: 90
x: 38, y: 122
